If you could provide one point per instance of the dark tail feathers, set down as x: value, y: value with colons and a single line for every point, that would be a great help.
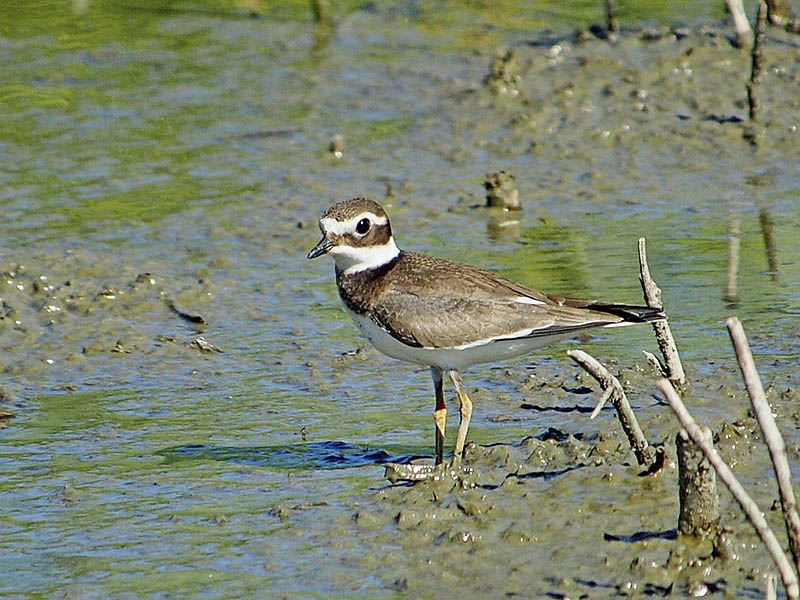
x: 627, y: 312
x: 630, y: 313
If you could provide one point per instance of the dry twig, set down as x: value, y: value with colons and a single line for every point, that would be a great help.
x: 673, y: 368
x: 757, y: 56
x: 611, y: 16
x: 772, y: 436
x: 740, y: 22
x: 754, y: 514
x: 321, y: 11
x: 614, y: 392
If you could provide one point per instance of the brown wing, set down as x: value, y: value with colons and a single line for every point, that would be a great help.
x: 441, y: 322
x: 436, y: 303
x: 429, y: 275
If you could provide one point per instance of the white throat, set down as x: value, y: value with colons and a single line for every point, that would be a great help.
x: 350, y: 259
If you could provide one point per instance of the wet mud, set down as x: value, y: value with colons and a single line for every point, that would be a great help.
x: 204, y: 385
x: 569, y: 513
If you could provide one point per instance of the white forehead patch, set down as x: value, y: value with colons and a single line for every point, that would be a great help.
x: 331, y: 225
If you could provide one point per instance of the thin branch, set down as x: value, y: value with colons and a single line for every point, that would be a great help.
x: 602, y: 402
x: 666, y: 343
x: 754, y: 514
x: 615, y: 393
x: 757, y: 58
x: 772, y: 435
x: 740, y: 22
x: 611, y: 16
x: 321, y: 10
x: 657, y: 364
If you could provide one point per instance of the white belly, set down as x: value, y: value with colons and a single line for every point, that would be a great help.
x: 447, y: 359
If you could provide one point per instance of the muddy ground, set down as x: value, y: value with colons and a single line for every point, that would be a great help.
x: 165, y: 370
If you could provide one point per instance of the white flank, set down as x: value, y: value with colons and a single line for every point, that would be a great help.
x: 351, y: 259
x: 527, y: 300
x: 622, y: 324
x: 459, y: 357
x: 342, y: 227
x: 510, y: 336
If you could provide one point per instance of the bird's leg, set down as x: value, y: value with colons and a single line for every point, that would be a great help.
x: 439, y: 413
x: 465, y: 408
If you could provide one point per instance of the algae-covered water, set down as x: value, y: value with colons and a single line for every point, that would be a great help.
x: 193, y: 415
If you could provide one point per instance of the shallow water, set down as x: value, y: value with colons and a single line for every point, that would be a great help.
x: 168, y: 161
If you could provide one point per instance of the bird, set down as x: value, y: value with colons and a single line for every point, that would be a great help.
x: 443, y: 314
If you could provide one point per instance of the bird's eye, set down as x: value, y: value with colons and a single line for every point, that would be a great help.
x: 363, y: 226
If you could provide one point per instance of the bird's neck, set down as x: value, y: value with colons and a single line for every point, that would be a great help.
x: 351, y: 259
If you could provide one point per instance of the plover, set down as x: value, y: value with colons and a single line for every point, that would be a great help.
x: 443, y: 314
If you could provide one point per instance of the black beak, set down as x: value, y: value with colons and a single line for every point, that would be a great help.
x: 323, y: 247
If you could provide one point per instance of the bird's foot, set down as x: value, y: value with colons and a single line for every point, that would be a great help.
x: 422, y: 472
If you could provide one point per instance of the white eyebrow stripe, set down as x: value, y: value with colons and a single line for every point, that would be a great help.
x: 330, y: 225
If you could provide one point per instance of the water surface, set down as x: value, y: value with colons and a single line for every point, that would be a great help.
x: 167, y: 158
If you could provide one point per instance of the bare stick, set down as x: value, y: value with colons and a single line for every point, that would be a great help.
x: 754, y: 514
x: 699, y: 514
x: 657, y: 364
x: 321, y: 11
x: 611, y: 16
x: 666, y: 343
x: 740, y: 22
x: 772, y: 436
x: 757, y: 55
x: 615, y: 393
x: 731, y: 294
